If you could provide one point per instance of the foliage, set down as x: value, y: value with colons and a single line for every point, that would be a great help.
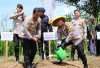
x: 92, y: 7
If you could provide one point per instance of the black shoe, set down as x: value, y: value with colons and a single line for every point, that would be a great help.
x: 72, y: 59
x: 86, y: 66
x: 59, y: 61
x: 17, y: 60
x: 28, y: 66
x: 32, y: 65
x: 79, y: 59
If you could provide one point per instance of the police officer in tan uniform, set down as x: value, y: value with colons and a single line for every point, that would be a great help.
x: 30, y: 33
x: 18, y: 19
x: 72, y: 37
x: 80, y: 24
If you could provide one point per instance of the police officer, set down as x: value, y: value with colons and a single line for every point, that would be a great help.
x: 30, y: 33
x: 72, y: 37
x: 18, y: 19
x: 98, y: 41
x: 80, y: 24
x: 45, y: 26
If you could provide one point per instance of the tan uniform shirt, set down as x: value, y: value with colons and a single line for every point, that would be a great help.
x: 70, y: 32
x: 30, y: 28
x: 80, y: 25
x: 17, y: 22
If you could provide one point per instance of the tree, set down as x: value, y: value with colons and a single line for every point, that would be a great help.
x: 92, y: 7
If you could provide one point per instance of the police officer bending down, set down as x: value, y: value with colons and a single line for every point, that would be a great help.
x: 72, y: 37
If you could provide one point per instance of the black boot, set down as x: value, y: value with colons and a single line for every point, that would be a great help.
x: 42, y: 56
x: 85, y: 66
x: 59, y: 61
x: 79, y: 59
x: 32, y: 65
x: 28, y: 66
x: 17, y: 59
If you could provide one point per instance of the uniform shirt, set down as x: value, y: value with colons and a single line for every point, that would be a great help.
x: 90, y: 28
x: 45, y: 26
x: 30, y: 28
x: 80, y: 25
x: 97, y: 27
x: 70, y: 32
x: 18, y: 20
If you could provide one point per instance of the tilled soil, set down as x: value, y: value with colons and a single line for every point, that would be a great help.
x: 93, y: 62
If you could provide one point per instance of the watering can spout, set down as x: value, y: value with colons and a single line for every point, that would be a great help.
x: 55, y: 56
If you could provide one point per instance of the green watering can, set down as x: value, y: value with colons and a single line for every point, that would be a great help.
x: 61, y: 54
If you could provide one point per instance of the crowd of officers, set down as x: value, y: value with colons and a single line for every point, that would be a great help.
x: 30, y: 29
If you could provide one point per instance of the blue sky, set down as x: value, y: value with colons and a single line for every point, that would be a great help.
x: 8, y: 7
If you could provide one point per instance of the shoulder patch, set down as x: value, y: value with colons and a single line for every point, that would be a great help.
x: 68, y: 26
x: 49, y: 21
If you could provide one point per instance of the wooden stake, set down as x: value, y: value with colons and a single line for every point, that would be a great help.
x: 50, y: 48
x: 6, y: 50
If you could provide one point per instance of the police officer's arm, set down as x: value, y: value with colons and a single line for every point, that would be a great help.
x: 90, y: 30
x: 38, y: 28
x: 84, y: 28
x: 59, y: 38
x: 13, y: 15
x: 26, y: 27
x: 92, y: 35
x: 48, y: 24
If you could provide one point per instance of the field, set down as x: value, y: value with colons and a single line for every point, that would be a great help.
x: 93, y: 62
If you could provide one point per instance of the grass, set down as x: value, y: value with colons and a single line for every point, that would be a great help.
x: 37, y: 58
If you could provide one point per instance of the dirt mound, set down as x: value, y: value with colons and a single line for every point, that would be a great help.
x: 92, y: 62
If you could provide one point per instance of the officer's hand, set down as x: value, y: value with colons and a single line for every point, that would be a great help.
x: 20, y: 13
x: 38, y: 36
x: 35, y: 39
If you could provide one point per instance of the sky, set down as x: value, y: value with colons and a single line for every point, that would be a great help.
x: 7, y: 7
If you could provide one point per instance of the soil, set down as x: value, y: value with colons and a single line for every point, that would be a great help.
x: 93, y: 62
